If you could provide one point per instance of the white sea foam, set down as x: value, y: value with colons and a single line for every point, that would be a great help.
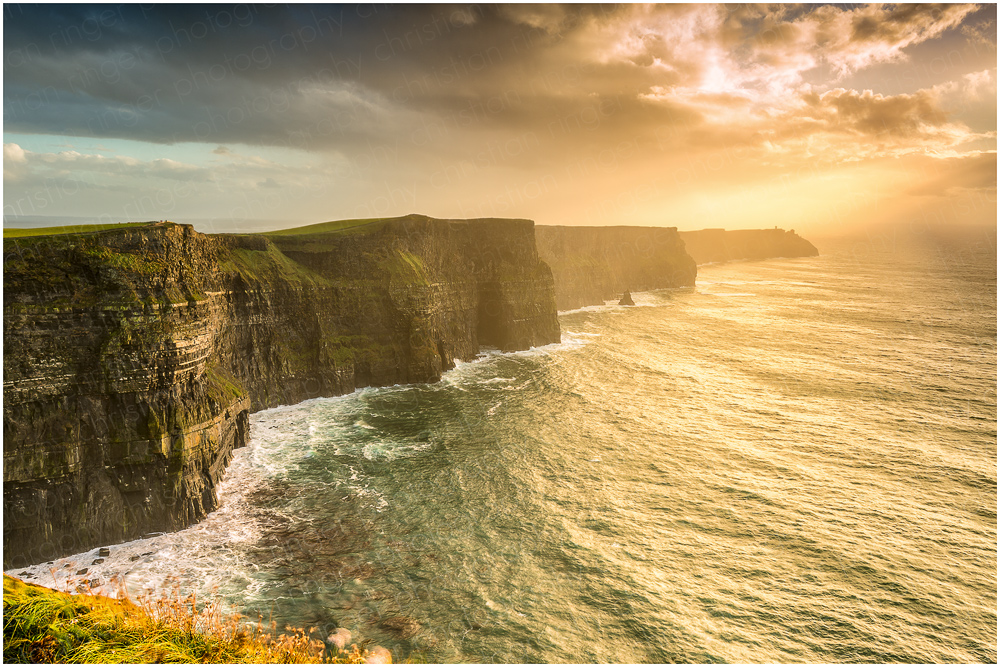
x: 653, y: 298
x: 473, y: 371
x: 608, y: 305
x: 195, y: 556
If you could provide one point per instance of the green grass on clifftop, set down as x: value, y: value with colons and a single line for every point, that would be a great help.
x: 41, y: 625
x: 269, y: 264
x: 327, y: 227
x: 17, y: 232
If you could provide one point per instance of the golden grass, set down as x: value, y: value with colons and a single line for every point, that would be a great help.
x: 48, y: 626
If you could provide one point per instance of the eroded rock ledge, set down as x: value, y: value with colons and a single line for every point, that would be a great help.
x: 133, y: 356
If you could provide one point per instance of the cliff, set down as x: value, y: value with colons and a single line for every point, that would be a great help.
x: 719, y: 245
x: 133, y: 356
x: 593, y: 264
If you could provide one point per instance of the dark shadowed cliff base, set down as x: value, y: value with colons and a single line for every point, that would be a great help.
x: 719, y: 245
x: 133, y: 355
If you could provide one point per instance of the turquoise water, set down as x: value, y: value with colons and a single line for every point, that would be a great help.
x: 793, y: 462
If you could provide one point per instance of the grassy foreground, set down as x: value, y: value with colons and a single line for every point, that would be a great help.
x: 41, y: 625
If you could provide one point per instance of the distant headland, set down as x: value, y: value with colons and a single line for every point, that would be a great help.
x: 719, y: 245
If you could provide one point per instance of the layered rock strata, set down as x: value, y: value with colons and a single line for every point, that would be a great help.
x: 719, y: 245
x: 593, y: 264
x: 133, y: 357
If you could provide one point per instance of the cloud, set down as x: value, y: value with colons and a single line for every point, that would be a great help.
x: 13, y: 153
x: 126, y: 188
x: 870, y: 114
x: 952, y: 176
x: 821, y: 127
x: 851, y: 39
x: 368, y: 99
x: 166, y: 168
x: 23, y: 165
x: 13, y: 159
x: 463, y: 16
x: 548, y: 17
x: 982, y: 34
x: 334, y: 78
x: 971, y: 88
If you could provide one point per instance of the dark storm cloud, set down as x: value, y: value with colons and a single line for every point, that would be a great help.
x: 344, y: 77
x: 172, y: 73
x: 300, y: 76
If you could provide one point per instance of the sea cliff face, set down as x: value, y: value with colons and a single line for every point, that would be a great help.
x: 133, y: 357
x: 593, y: 264
x: 719, y: 245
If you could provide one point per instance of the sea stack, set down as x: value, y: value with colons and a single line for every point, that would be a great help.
x: 626, y: 299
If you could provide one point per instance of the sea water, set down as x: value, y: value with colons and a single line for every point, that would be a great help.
x: 793, y: 462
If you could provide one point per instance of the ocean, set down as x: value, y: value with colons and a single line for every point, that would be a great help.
x: 795, y: 461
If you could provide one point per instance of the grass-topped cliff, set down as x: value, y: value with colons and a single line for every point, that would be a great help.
x: 133, y: 354
x: 338, y: 226
x: 21, y: 232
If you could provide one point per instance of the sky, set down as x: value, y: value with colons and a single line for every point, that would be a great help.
x: 820, y: 118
